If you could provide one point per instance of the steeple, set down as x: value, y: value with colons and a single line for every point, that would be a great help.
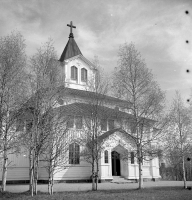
x: 71, y: 49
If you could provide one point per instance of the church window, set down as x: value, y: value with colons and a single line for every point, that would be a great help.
x: 132, y: 158
x: 74, y: 153
x: 75, y: 122
x: 70, y: 122
x: 74, y: 73
x: 19, y: 125
x: 106, y: 156
x: 78, y: 122
x: 103, y: 124
x: 111, y: 124
x: 83, y: 75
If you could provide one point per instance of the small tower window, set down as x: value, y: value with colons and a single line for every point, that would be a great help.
x: 106, y: 157
x: 74, y: 73
x: 83, y: 75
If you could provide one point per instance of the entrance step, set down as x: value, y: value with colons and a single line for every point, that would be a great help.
x: 121, y: 180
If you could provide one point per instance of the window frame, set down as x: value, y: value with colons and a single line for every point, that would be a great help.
x: 83, y: 75
x: 74, y: 73
x: 132, y: 157
x: 106, y: 157
x: 74, y: 153
x: 72, y: 120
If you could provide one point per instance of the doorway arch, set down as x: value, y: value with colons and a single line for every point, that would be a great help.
x: 115, y: 163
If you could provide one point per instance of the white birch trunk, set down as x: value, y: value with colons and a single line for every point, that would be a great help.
x: 4, y: 175
x: 93, y: 177
x: 31, y: 174
x: 140, y: 175
x: 140, y: 169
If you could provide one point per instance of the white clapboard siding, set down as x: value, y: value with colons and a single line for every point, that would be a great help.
x: 18, y: 167
x: 75, y: 172
x: 18, y: 160
x: 146, y: 170
x: 124, y: 169
x: 16, y: 173
x: 43, y: 174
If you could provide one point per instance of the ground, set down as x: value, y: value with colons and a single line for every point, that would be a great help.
x: 161, y: 190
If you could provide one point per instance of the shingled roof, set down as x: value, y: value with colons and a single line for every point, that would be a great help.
x: 84, y: 109
x: 71, y: 49
x: 91, y: 95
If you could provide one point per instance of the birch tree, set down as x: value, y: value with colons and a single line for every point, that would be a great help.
x: 134, y: 83
x: 44, y: 83
x: 178, y: 136
x: 54, y: 157
x: 95, y: 112
x: 12, y: 93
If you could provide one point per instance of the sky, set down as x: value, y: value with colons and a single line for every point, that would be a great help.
x: 158, y: 28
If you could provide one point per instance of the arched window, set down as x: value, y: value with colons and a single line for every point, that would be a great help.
x: 74, y: 73
x: 83, y: 75
x: 132, y: 158
x: 74, y: 153
x: 106, y: 156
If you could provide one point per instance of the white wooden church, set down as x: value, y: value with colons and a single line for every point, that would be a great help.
x: 116, y: 140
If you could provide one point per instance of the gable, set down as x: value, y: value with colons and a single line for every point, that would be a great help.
x: 118, y: 138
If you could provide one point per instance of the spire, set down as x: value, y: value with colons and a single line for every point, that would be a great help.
x: 71, y: 48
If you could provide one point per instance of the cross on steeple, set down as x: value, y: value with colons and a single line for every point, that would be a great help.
x: 71, y: 27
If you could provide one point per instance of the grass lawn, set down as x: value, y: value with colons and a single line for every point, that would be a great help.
x: 169, y: 193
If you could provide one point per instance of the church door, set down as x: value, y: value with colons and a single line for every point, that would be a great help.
x: 115, y: 163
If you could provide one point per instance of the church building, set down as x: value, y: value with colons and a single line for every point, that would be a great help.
x: 118, y: 143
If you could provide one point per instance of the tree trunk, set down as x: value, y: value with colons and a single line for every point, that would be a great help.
x: 4, y: 175
x: 52, y: 183
x: 97, y: 175
x: 49, y: 184
x: 31, y: 174
x: 184, y: 177
x: 140, y: 175
x: 93, y: 177
x: 140, y: 170
x: 36, y: 174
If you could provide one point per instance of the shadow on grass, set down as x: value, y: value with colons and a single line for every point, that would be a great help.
x: 10, y: 195
x: 26, y: 194
x: 138, y: 190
